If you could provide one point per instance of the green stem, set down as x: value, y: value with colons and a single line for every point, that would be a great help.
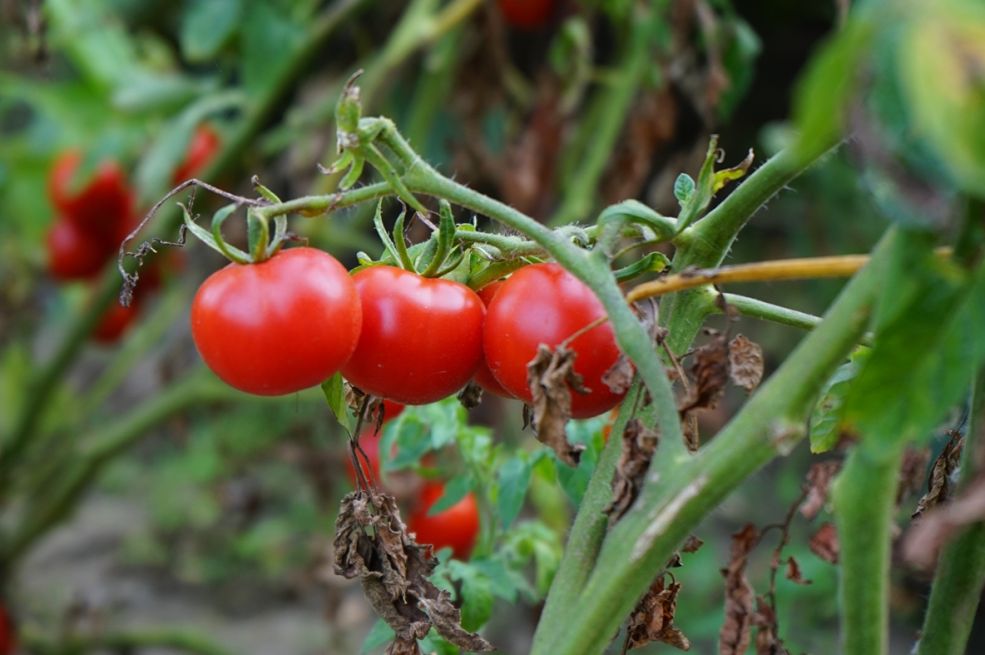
x: 614, y: 103
x: 125, y: 641
x: 960, y: 574
x: 79, y: 330
x: 769, y: 312
x: 103, y: 447
x: 677, y: 498
x: 709, y: 240
x: 864, y: 499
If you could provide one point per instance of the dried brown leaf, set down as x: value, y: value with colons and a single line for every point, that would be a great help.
x: 734, y: 637
x: 793, y: 572
x: 768, y: 641
x: 619, y: 377
x: 818, y: 482
x: 372, y: 544
x: 940, y: 524
x: 692, y: 435
x: 913, y: 472
x: 470, y: 396
x: 745, y: 362
x: 824, y: 543
x: 638, y: 445
x: 552, y: 377
x: 692, y: 544
x: 710, y: 371
x: 939, y: 484
x: 653, y: 618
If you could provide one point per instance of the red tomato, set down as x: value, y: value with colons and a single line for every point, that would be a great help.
x: 201, y: 149
x: 74, y: 253
x: 279, y: 326
x: 483, y: 376
x: 115, y: 321
x: 369, y: 441
x: 421, y: 339
x: 527, y: 14
x: 101, y: 204
x: 8, y: 632
x: 543, y: 303
x: 456, y: 527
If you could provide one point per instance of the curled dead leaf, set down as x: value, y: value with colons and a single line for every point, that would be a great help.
x: 768, y: 640
x: 824, y: 543
x: 372, y: 544
x: 745, y: 362
x: 734, y: 636
x: 692, y: 544
x: 551, y: 376
x: 939, y: 485
x: 937, y: 526
x: 793, y: 572
x: 710, y: 371
x: 470, y: 396
x: 653, y: 618
x: 818, y: 483
x: 638, y: 445
x: 619, y: 377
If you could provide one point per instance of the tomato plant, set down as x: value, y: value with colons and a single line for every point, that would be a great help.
x: 456, y: 527
x: 115, y: 321
x: 277, y: 326
x: 201, y: 149
x: 544, y: 304
x: 421, y: 338
x: 74, y: 253
x: 100, y: 203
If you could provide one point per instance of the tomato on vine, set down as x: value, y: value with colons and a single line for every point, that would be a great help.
x: 421, y: 338
x: 277, y: 326
x: 101, y: 204
x: 74, y: 253
x: 545, y: 304
x: 201, y: 149
x: 527, y: 14
x: 456, y: 527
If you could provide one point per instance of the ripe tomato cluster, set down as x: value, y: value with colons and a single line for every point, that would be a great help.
x: 296, y: 319
x: 94, y: 215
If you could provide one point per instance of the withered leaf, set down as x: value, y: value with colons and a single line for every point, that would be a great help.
x: 470, y: 396
x: 371, y: 543
x: 552, y: 377
x: 692, y: 435
x: 793, y: 572
x: 824, y: 543
x: 619, y: 377
x: 940, y: 524
x: 745, y: 359
x: 768, y: 640
x: 653, y: 618
x: 939, y: 485
x: 734, y: 637
x: 818, y: 482
x: 710, y: 372
x: 913, y: 471
x: 692, y: 544
x: 638, y: 445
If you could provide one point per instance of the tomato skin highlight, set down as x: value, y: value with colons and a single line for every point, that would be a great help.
x: 543, y: 303
x: 483, y: 376
x: 101, y: 205
x: 421, y: 339
x: 202, y: 148
x: 527, y: 14
x: 457, y: 527
x: 279, y: 326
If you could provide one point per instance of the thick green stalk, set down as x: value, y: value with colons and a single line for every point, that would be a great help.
x: 960, y: 574
x: 79, y: 330
x: 103, y: 447
x: 709, y: 240
x: 864, y: 504
x: 675, y: 500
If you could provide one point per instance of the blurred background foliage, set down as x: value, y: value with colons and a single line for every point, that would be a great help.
x: 150, y: 496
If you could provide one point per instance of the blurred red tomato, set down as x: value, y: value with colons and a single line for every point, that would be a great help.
x: 204, y: 144
x: 457, y: 527
x: 99, y: 204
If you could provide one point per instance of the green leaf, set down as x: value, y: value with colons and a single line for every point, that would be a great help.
x: 455, y: 490
x: 825, y: 422
x: 941, y: 56
x: 270, y: 37
x: 477, y: 602
x: 824, y: 91
x: 928, y: 345
x: 683, y: 188
x: 378, y: 636
x: 207, y: 26
x: 514, y: 479
x: 334, y: 390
